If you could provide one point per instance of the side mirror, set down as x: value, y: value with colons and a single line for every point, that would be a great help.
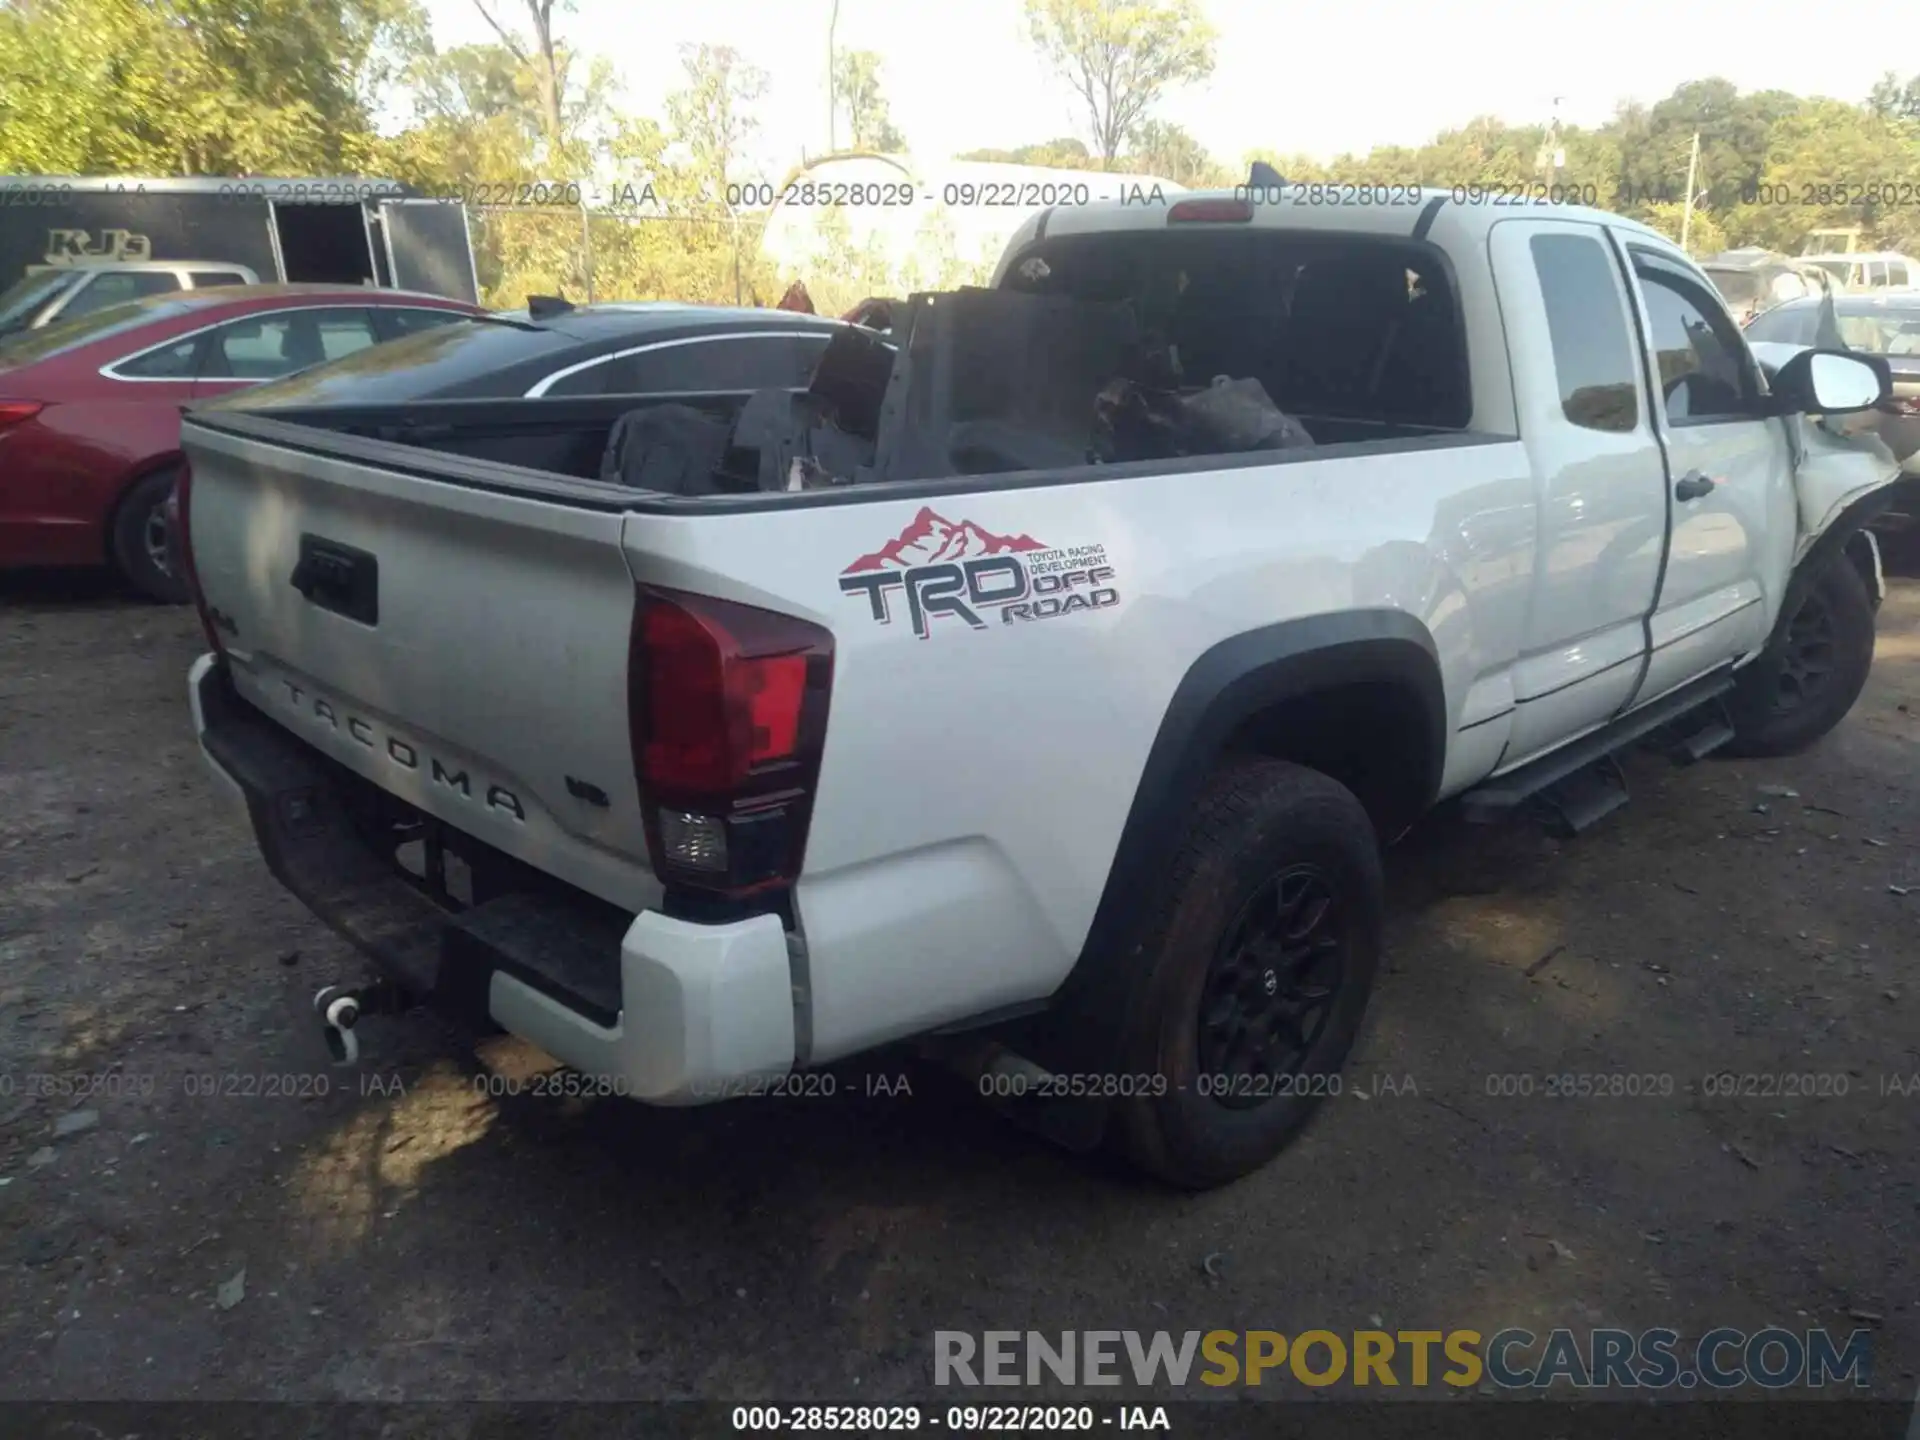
x: 1832, y: 382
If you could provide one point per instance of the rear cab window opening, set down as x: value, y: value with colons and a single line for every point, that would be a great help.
x: 1097, y: 353
x: 1347, y: 333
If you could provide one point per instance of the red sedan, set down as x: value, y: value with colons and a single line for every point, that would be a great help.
x: 90, y: 410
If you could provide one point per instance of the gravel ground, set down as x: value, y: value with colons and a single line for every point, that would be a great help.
x: 396, y: 1232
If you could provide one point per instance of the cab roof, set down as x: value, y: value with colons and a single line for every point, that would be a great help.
x: 1450, y: 217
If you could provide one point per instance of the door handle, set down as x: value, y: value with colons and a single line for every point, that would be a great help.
x: 1693, y: 485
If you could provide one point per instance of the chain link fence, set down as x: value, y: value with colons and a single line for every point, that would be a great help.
x: 586, y: 254
x: 582, y: 253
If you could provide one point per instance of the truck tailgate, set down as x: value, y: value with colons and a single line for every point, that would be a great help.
x: 464, y: 649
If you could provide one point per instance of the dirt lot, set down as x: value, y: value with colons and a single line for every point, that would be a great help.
x: 403, y: 1235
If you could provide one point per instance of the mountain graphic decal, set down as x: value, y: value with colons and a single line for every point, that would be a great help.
x: 932, y: 539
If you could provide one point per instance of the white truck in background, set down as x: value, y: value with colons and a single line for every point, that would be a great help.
x: 1062, y: 733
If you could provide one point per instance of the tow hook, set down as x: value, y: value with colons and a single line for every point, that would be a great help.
x: 340, y: 1009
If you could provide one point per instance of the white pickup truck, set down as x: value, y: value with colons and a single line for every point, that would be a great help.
x: 1062, y: 736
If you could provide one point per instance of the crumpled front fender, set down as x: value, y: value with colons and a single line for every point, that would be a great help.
x: 1838, y: 467
x: 1839, y: 460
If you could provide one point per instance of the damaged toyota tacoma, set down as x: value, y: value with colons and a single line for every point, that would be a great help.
x: 1040, y: 681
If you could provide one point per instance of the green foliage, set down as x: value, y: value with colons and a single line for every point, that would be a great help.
x: 1892, y: 100
x: 292, y: 87
x: 1063, y: 154
x: 856, y: 90
x: 712, y: 114
x: 1120, y: 56
x: 1158, y: 148
x: 1773, y: 167
x: 841, y: 273
x: 1702, y: 233
x: 195, y: 86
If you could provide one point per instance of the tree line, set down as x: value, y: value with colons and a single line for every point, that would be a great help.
x: 358, y: 87
x: 1774, y: 169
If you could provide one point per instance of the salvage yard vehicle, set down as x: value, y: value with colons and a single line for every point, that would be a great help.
x: 90, y: 408
x: 1878, y: 270
x: 66, y: 292
x: 1753, y: 280
x: 557, y: 351
x: 300, y: 230
x: 1050, y: 695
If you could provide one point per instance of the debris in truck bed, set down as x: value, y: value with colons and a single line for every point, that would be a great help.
x: 672, y: 449
x: 974, y: 382
x: 998, y: 380
x: 1001, y: 380
x: 1237, y: 415
x: 1133, y: 421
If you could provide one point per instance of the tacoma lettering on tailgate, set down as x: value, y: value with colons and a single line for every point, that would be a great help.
x: 397, y: 751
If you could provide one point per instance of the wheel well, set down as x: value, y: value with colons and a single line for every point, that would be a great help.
x: 1356, y: 695
x: 133, y: 482
x: 1370, y: 735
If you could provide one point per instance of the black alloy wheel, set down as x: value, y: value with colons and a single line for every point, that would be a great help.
x: 1807, y: 658
x: 1272, y: 985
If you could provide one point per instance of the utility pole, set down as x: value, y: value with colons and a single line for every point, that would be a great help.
x: 1693, y: 168
x: 586, y: 247
x: 1552, y: 155
x: 833, y: 99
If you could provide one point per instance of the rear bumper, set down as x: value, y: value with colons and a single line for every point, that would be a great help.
x: 668, y: 1011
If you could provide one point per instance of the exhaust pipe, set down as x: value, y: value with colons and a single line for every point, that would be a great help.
x: 340, y: 1008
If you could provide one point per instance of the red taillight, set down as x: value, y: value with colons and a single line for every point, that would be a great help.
x: 727, y: 705
x: 12, y: 412
x: 1903, y: 405
x: 1197, y: 212
x: 180, y: 535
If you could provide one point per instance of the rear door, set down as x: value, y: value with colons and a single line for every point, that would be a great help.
x: 1590, y: 438
x: 429, y: 248
x: 1732, y: 503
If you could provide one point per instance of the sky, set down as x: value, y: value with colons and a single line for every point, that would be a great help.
x: 1316, y: 82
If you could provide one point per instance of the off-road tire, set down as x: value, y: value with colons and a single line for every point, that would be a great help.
x: 1257, y: 823
x: 138, y: 540
x: 1813, y: 669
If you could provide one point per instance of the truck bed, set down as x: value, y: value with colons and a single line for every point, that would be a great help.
x: 567, y: 437
x: 557, y: 437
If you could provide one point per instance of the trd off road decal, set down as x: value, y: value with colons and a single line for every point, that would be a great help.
x: 943, y: 567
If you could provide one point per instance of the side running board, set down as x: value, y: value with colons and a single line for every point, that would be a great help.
x: 1503, y: 795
